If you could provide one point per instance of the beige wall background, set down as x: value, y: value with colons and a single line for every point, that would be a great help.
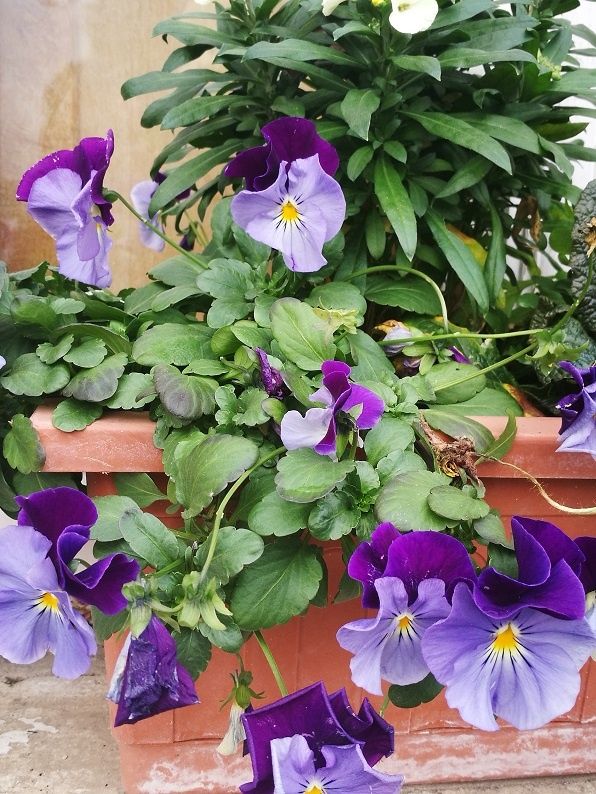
x: 62, y: 63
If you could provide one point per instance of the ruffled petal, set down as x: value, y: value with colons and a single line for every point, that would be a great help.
x: 299, y: 431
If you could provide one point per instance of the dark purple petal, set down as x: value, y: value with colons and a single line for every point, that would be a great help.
x: 270, y: 377
x: 369, y: 561
x: 335, y: 378
x: 252, y: 165
x: 367, y: 726
x: 372, y: 406
x: 587, y: 572
x: 417, y: 556
x: 573, y: 404
x: 153, y: 681
x: 101, y: 583
x: 548, y: 566
x: 327, y: 446
x: 307, y: 712
x: 458, y: 356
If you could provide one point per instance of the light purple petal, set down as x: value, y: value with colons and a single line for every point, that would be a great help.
x: 22, y: 548
x: 317, y: 194
x: 346, y: 769
x: 293, y: 764
x: 141, y: 195
x: 50, y: 202
x: 71, y: 640
x: 299, y: 431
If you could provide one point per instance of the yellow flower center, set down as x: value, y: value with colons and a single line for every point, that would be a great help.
x: 505, y: 640
x: 289, y: 212
x: 49, y: 601
x: 404, y: 623
x: 314, y: 789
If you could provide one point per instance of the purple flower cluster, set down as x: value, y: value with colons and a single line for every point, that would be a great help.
x: 291, y: 201
x: 348, y: 409
x: 578, y: 412
x: 311, y: 741
x: 504, y: 646
x: 64, y: 194
x: 36, y: 580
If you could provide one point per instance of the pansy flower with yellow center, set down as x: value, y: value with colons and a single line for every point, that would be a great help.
x: 523, y: 668
x: 36, y: 615
x: 297, y: 214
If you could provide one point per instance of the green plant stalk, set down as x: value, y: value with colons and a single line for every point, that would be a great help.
x: 384, y: 704
x: 574, y: 306
x: 404, y: 269
x: 219, y: 514
x: 272, y: 663
x: 154, y: 229
x: 461, y: 335
x: 484, y: 371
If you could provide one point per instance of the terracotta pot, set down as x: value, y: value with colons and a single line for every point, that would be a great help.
x: 175, y: 752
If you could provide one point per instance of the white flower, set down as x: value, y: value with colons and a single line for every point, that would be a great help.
x: 412, y: 16
x: 235, y: 733
x: 329, y: 6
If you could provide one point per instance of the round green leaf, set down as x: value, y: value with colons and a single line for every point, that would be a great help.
x: 22, y: 446
x: 450, y: 502
x: 404, y: 501
x: 99, y: 383
x: 31, y: 377
x: 276, y: 516
x: 70, y: 415
x: 303, y: 476
x: 444, y: 380
x: 412, y: 695
x: 301, y: 334
x: 172, y: 343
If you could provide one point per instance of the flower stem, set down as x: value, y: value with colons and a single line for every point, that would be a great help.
x: 491, y: 368
x: 155, y: 229
x: 272, y: 663
x: 463, y: 335
x: 219, y: 514
x: 405, y: 269
x: 384, y: 704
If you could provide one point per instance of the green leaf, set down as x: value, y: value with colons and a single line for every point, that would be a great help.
x: 300, y: 50
x: 333, y: 517
x: 31, y: 377
x: 159, y: 81
x: 460, y: 427
x: 110, y: 510
x: 504, y: 128
x: 135, y: 389
x: 99, y: 383
x: 301, y: 334
x: 419, y: 63
x: 503, y: 559
x: 49, y: 353
x: 273, y: 515
x: 172, y: 296
x: 234, y: 549
x: 199, y: 108
x: 357, y: 108
x: 88, y: 354
x: 450, y: 502
x: 207, y: 468
x: 70, y: 415
x: 488, y: 402
x: 138, y: 487
x: 338, y: 295
x: 34, y: 311
x: 444, y: 380
x: 249, y: 408
x: 460, y: 258
x: 466, y: 57
x: 229, y: 639
x: 184, y: 396
x: 179, y: 271
x: 278, y: 586
x: 463, y: 134
x: 459, y: 12
x: 106, y: 625
x: 304, y: 476
x: 22, y: 446
x: 25, y: 484
x: 172, y: 343
x: 501, y: 445
x: 358, y: 161
x: 396, y: 204
x: 398, y: 462
x: 472, y: 172
x: 496, y: 263
x: 490, y: 529
x: 370, y: 358
x: 386, y: 436
x: 411, y: 695
x: 193, y: 650
x: 149, y: 538
x: 115, y: 342
x: 404, y: 501
x: 409, y: 293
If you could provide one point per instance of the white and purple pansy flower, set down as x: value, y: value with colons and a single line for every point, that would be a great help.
x: 549, y: 564
x: 348, y: 409
x: 297, y: 214
x: 148, y: 678
x: 64, y: 194
x: 323, y: 721
x: 65, y: 516
x: 578, y: 412
x: 36, y: 615
x: 141, y: 195
x: 523, y: 667
x: 295, y: 770
x: 421, y: 570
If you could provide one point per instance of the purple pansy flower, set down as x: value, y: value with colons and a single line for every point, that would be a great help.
x: 587, y: 577
x: 458, y: 356
x: 288, y: 139
x: 549, y: 564
x: 578, y: 412
x: 412, y: 557
x: 347, y: 406
x: 345, y: 769
x: 387, y: 648
x: 141, y: 195
x: 36, y: 615
x: 65, y: 516
x: 147, y: 677
x: 523, y: 668
x: 64, y: 194
x: 2, y: 362
x: 297, y: 214
x: 322, y: 720
x: 419, y: 571
x: 270, y: 378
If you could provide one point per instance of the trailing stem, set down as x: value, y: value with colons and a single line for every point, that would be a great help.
x: 267, y: 653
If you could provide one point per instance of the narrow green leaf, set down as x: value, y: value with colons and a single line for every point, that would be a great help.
x: 419, y: 63
x: 460, y: 427
x: 396, y: 204
x: 199, y: 108
x: 357, y: 108
x: 138, y: 487
x: 501, y: 445
x: 496, y: 264
x: 300, y: 50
